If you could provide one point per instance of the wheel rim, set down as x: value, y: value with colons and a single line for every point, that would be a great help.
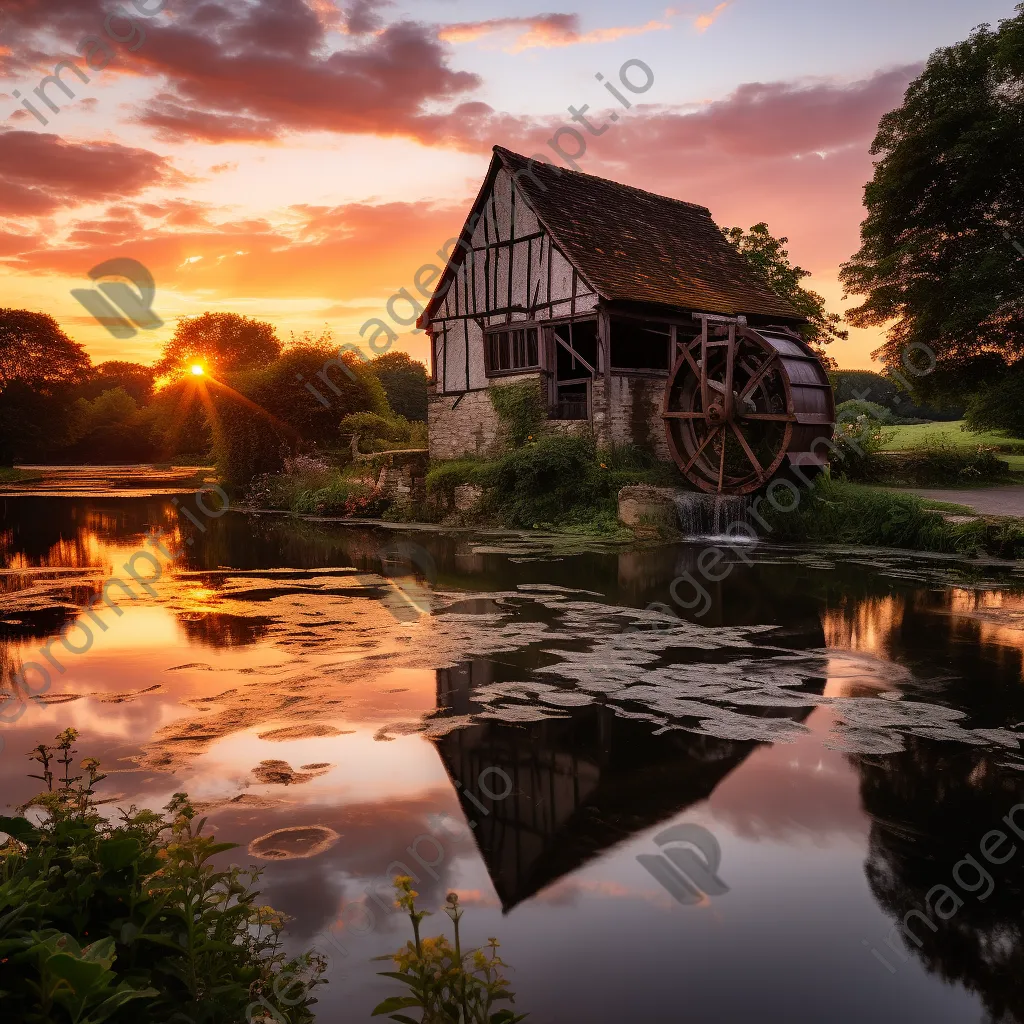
x: 729, y: 417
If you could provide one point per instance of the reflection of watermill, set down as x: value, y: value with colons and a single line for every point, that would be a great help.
x: 739, y: 402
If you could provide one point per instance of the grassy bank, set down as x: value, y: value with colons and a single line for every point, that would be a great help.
x: 918, y: 436
x: 839, y: 512
x: 556, y: 482
x: 11, y: 475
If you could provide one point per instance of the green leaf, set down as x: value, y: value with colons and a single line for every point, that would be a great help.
x: 396, y: 1003
x: 81, y: 975
x: 116, y: 854
x: 21, y: 829
x: 117, y: 1000
x: 100, y: 952
x: 221, y: 848
x: 398, y: 977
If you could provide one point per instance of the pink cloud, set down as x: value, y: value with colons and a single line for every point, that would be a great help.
x: 543, y: 31
x: 40, y: 173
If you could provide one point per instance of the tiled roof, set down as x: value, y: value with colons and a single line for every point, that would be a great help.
x: 635, y: 246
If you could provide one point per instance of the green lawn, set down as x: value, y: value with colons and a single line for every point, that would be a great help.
x: 923, y: 435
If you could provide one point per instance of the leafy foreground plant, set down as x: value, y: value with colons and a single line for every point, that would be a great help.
x: 447, y: 985
x: 129, y: 920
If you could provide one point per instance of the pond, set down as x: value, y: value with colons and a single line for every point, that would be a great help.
x: 717, y: 817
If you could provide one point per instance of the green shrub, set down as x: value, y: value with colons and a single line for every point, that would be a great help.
x: 264, y: 415
x: 847, y: 411
x: 130, y: 920
x: 521, y: 409
x: 933, y: 466
x: 378, y: 433
x: 541, y: 482
x: 314, y: 488
x: 858, y: 442
x: 886, y: 392
x: 558, y: 481
x: 1001, y: 405
x: 444, y: 477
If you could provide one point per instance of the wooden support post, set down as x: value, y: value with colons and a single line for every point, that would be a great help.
x: 604, y: 364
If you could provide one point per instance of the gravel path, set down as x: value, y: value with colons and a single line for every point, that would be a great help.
x: 993, y: 501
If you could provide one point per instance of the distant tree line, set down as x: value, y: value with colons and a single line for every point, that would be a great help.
x: 225, y: 388
x: 866, y: 386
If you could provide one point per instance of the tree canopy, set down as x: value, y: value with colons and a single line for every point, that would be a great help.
x: 942, y: 249
x: 769, y: 258
x: 220, y: 343
x: 39, y: 366
x: 405, y: 383
x: 133, y: 378
x: 35, y: 352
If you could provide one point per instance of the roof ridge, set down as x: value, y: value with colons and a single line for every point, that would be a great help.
x: 503, y: 151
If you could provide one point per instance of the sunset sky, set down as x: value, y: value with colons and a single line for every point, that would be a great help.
x: 298, y: 160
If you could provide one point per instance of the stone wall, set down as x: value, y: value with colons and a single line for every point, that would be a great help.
x: 472, y: 427
x: 634, y: 415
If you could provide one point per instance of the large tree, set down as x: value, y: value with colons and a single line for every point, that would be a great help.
x: 942, y: 249
x: 405, y: 383
x: 220, y: 343
x: 769, y: 258
x: 133, y: 378
x: 39, y: 365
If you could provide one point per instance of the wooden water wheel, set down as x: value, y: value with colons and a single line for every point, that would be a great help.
x: 742, y: 402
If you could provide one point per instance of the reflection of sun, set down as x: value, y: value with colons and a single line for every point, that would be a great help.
x: 197, y: 370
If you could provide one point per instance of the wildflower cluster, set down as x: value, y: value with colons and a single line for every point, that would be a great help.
x: 447, y: 985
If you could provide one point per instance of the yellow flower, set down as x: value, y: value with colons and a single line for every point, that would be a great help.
x: 603, y: 466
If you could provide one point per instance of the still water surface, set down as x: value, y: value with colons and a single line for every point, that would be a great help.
x: 341, y: 699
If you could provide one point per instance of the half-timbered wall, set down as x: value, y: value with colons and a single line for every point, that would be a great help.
x: 513, y: 273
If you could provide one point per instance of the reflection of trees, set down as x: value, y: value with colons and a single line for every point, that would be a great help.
x: 219, y: 629
x: 931, y: 806
x: 71, y: 533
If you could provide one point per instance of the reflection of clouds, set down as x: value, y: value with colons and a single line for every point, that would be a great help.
x: 373, y: 838
x: 569, y: 891
x: 792, y: 793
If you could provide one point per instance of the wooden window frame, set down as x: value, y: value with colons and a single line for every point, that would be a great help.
x: 508, y: 328
x: 645, y: 371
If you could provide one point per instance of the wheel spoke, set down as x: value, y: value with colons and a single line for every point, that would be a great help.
x: 721, y: 461
x: 777, y: 417
x: 757, y: 378
x: 730, y: 371
x: 688, y: 356
x: 683, y: 415
x: 758, y: 468
x: 703, y: 445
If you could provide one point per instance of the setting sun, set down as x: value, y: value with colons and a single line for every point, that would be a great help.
x: 197, y: 370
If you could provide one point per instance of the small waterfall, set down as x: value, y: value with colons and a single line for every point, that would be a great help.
x: 714, y: 517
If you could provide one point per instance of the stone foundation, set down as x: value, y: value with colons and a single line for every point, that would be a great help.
x: 647, y: 509
x: 472, y: 427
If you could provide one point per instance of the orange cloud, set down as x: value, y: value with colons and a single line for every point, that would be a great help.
x: 704, y: 21
x: 543, y: 31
